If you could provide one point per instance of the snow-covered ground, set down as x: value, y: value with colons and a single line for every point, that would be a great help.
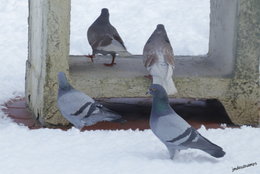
x: 52, y: 151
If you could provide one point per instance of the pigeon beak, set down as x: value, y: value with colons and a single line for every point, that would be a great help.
x: 148, y: 92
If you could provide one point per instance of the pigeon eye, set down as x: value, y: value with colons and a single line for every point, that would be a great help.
x: 153, y: 89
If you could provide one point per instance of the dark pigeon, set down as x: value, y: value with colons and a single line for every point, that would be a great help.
x: 159, y: 59
x: 80, y: 109
x: 104, y: 38
x: 174, y: 131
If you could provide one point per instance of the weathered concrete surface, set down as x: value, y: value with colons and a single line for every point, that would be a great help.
x: 126, y: 79
x: 244, y: 90
x: 222, y: 42
x: 48, y: 54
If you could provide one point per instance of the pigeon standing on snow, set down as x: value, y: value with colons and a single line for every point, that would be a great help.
x: 104, y: 38
x: 80, y: 109
x: 174, y: 131
x: 159, y: 59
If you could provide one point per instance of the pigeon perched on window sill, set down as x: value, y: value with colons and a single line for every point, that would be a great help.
x: 104, y: 38
x: 174, y: 131
x: 159, y: 59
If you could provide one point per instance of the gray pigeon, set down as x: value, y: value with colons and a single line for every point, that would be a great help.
x: 174, y: 131
x: 80, y: 109
x: 159, y: 59
x: 104, y: 38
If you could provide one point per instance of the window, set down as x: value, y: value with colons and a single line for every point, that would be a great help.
x: 186, y: 22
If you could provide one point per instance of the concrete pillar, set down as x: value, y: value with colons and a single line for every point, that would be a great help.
x: 222, y: 38
x: 243, y: 95
x: 49, y: 27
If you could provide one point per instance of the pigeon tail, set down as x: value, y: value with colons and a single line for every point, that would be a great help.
x: 120, y: 120
x: 168, y: 84
x: 217, y: 153
x: 110, y: 115
x: 208, y: 147
x: 124, y: 53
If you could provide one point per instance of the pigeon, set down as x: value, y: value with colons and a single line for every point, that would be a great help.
x: 104, y: 38
x: 173, y: 130
x: 158, y: 59
x: 80, y: 109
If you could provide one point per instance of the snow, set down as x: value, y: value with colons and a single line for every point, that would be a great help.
x: 54, y: 151
x: 140, y: 152
x: 186, y: 22
x: 13, y: 45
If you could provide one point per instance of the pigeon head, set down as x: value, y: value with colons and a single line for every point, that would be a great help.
x: 104, y: 12
x: 157, y: 91
x: 160, y: 28
x: 104, y: 16
x: 63, y: 82
x: 160, y: 106
x: 159, y: 35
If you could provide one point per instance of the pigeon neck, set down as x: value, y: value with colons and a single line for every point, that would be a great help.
x: 103, y: 19
x: 64, y: 85
x: 64, y: 90
x: 161, y: 106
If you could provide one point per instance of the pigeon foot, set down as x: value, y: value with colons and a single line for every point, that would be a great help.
x: 109, y: 64
x: 148, y: 76
x: 90, y: 56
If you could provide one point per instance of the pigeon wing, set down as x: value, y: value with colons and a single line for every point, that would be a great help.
x: 168, y: 54
x: 92, y: 36
x: 75, y: 104
x: 169, y: 126
x: 102, y: 113
x: 97, y: 37
x: 192, y: 139
x: 149, y: 53
x: 105, y: 41
x: 116, y: 35
x: 150, y: 60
